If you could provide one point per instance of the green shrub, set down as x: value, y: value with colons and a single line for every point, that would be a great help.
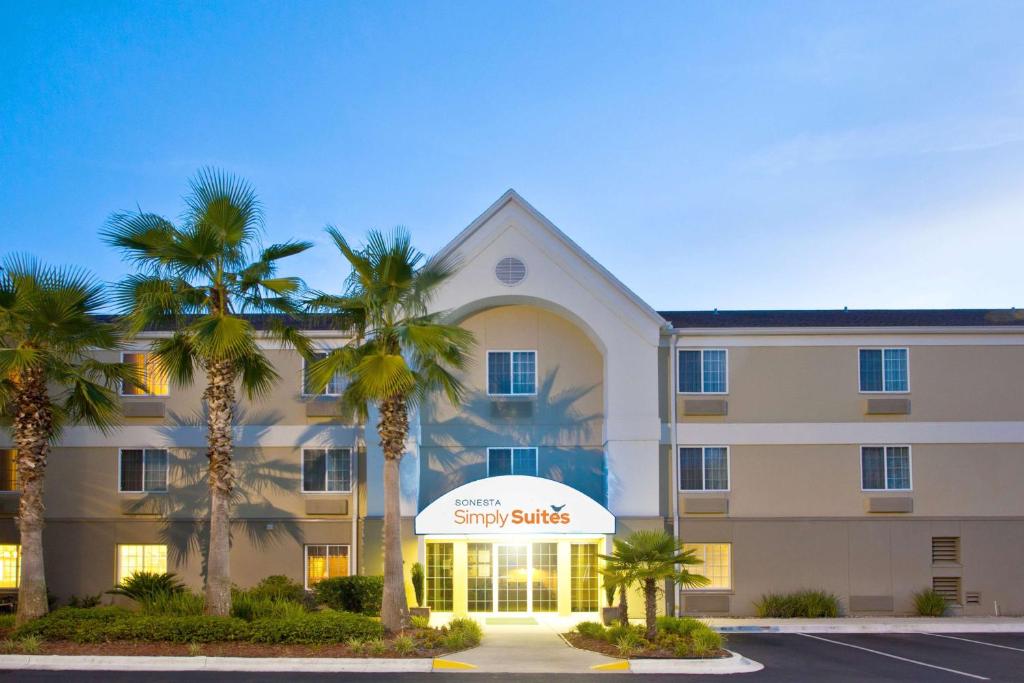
x: 615, y: 633
x: 194, y: 629
x: 6, y: 621
x: 279, y: 587
x: 85, y: 601
x: 806, y: 604
x: 246, y: 605
x: 359, y: 594
x: 417, y: 621
x: 182, y: 604
x: 404, y: 645
x: 680, y: 626
x: 590, y: 629
x: 418, y: 579
x: 468, y: 627
x: 929, y: 603
x: 142, y: 586
x: 376, y: 647
x: 316, y: 629
x: 705, y: 641
x: 63, y: 623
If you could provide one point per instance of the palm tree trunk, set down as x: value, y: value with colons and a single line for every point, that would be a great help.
x: 623, y: 604
x: 651, y: 608
x: 393, y: 429
x: 220, y: 403
x: 33, y: 426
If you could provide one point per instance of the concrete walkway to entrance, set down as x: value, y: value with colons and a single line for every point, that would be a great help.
x: 528, y: 649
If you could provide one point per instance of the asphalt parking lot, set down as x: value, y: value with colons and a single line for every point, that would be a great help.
x: 787, y: 657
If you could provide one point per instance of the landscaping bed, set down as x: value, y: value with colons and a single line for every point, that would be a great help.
x: 677, y: 638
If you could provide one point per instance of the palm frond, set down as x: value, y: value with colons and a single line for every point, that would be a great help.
x: 257, y: 373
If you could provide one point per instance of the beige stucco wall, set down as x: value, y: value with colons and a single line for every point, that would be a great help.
x: 821, y: 384
x: 824, y: 481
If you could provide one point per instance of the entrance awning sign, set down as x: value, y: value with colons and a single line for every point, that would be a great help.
x: 514, y: 504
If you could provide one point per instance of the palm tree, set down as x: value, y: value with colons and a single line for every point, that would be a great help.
x: 202, y: 279
x: 48, y: 379
x: 647, y: 558
x: 399, y: 354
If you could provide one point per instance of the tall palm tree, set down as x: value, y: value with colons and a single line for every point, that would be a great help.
x: 202, y: 279
x: 48, y: 379
x: 648, y: 558
x: 399, y: 354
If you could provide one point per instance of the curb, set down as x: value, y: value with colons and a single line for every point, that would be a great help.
x: 734, y: 664
x: 275, y: 664
x: 952, y: 627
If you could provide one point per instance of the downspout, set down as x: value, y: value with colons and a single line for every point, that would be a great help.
x: 354, y: 560
x: 674, y: 457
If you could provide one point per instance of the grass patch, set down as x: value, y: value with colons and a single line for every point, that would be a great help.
x: 929, y: 603
x: 807, y: 604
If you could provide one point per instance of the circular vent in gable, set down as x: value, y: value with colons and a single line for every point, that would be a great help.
x: 510, y: 271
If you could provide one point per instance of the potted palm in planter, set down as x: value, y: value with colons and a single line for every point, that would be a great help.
x: 612, y: 613
x: 418, y: 580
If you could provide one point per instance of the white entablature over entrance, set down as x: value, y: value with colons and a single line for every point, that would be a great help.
x: 512, y: 254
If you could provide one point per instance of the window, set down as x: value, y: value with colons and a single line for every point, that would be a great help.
x: 333, y: 388
x: 511, y: 461
x: 885, y: 468
x: 132, y: 559
x: 511, y: 373
x: 583, y: 577
x: 703, y: 371
x: 545, y: 577
x: 8, y: 469
x: 479, y: 578
x: 439, y: 576
x: 153, y: 378
x: 143, y: 470
x: 326, y: 470
x: 325, y: 562
x: 884, y: 370
x: 715, y: 563
x: 704, y: 468
x: 10, y: 566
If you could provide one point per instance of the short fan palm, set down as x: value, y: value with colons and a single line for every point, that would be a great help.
x: 648, y: 558
x: 202, y: 279
x: 399, y: 354
x: 48, y: 379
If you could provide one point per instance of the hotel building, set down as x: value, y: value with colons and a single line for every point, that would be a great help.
x: 867, y: 453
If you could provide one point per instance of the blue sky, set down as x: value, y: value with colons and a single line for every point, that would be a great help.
x: 730, y: 155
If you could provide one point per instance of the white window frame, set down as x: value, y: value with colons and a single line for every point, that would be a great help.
x: 536, y: 367
x: 703, y: 458
x: 167, y: 472
x: 120, y: 389
x: 885, y: 465
x: 536, y: 460
x: 117, y: 558
x: 302, y: 472
x: 883, y: 349
x: 712, y: 589
x: 305, y: 559
x: 302, y: 380
x: 679, y: 366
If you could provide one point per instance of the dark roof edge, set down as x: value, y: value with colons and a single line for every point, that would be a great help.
x: 852, y: 318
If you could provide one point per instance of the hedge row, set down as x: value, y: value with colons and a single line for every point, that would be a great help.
x: 106, y: 624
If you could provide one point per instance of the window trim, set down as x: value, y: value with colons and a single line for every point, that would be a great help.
x: 487, y: 370
x: 302, y: 380
x: 883, y: 349
x: 679, y: 378
x: 712, y: 589
x: 120, y: 389
x: 703, y: 457
x: 536, y: 459
x: 302, y: 472
x: 885, y: 466
x: 117, y: 557
x: 167, y: 472
x: 305, y: 559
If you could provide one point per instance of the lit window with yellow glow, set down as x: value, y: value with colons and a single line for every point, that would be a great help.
x: 8, y: 469
x: 325, y: 562
x: 10, y: 566
x: 715, y: 563
x: 132, y: 559
x: 152, y: 376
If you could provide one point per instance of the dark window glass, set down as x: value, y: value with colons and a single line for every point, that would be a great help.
x: 872, y: 467
x: 499, y: 462
x: 870, y: 370
x: 689, y: 372
x: 691, y: 475
x: 131, y: 470
x: 499, y: 372
x: 314, y: 470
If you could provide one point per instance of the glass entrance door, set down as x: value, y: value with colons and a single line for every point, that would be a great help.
x: 512, y: 578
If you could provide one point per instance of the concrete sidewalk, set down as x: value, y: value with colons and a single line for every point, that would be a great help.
x: 528, y: 649
x: 870, y: 625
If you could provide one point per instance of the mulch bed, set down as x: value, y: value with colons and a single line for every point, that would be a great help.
x: 144, y: 649
x: 606, y: 648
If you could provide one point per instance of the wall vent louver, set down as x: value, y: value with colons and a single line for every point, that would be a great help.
x: 972, y: 598
x: 945, y: 549
x: 948, y: 587
x: 510, y: 271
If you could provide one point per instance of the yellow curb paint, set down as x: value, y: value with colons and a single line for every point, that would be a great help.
x: 621, y: 665
x: 451, y: 664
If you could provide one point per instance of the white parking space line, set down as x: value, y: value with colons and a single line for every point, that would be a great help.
x: 892, y: 656
x: 979, y: 642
